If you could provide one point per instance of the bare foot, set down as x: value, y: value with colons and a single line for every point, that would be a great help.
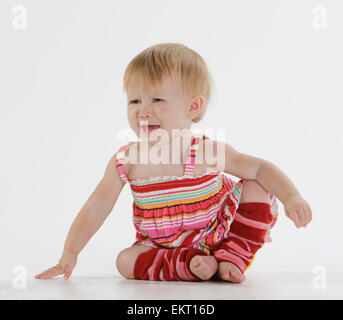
x: 229, y: 272
x: 203, y: 267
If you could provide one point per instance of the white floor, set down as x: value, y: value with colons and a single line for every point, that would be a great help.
x: 274, y: 284
x: 283, y: 270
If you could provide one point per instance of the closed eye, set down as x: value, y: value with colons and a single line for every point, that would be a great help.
x: 155, y: 99
x: 133, y: 101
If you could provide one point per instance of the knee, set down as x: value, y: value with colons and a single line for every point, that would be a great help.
x: 126, y: 260
x: 124, y: 264
x: 253, y: 192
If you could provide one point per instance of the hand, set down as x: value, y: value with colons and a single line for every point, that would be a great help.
x: 298, y: 210
x: 65, y: 266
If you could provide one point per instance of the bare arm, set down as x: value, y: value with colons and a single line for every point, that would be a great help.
x: 96, y: 209
x: 269, y: 176
x: 275, y: 181
x: 90, y: 218
x: 272, y: 179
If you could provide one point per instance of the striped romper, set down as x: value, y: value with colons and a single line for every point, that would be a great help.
x: 180, y: 217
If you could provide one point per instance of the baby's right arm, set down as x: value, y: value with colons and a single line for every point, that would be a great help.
x: 88, y: 221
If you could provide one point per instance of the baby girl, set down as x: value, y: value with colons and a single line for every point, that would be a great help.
x: 192, y: 221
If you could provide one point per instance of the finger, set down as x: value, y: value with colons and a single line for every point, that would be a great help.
x: 42, y: 274
x: 301, y: 216
x: 309, y: 215
x: 49, y: 274
x: 68, y: 273
x: 305, y: 217
x: 37, y: 276
x: 52, y: 272
x: 295, y: 219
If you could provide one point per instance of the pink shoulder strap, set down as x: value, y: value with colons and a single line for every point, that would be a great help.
x: 119, y: 161
x: 190, y: 164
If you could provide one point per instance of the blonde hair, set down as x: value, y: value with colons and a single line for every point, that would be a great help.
x: 172, y: 59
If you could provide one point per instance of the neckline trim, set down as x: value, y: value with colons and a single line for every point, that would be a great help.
x: 172, y: 177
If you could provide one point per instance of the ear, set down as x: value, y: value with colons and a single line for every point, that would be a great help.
x: 195, y: 106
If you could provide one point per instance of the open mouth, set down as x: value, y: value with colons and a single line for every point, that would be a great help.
x: 150, y: 128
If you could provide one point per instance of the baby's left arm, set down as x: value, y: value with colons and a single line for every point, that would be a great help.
x: 272, y: 179
x: 277, y: 183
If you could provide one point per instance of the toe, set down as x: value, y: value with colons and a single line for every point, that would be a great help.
x: 226, y: 275
x: 239, y: 277
x: 234, y: 277
x: 195, y: 262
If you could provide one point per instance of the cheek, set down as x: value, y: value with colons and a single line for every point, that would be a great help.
x: 131, y: 112
x: 131, y: 115
x: 176, y: 114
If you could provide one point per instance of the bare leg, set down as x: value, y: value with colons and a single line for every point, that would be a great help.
x: 127, y: 258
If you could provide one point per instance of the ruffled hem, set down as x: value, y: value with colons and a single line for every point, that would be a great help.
x: 228, y: 215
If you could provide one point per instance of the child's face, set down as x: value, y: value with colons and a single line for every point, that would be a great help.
x: 164, y: 105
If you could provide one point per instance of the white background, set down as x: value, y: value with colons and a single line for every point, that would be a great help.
x: 278, y: 93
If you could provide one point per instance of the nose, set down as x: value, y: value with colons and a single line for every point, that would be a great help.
x: 144, y: 113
